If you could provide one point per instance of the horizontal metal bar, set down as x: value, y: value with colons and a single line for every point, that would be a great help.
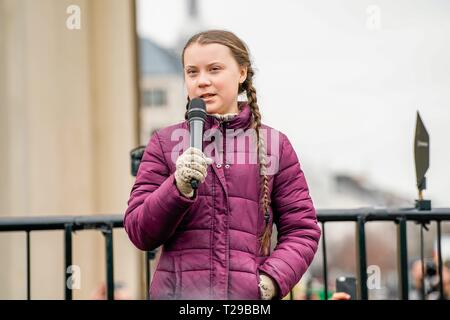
x: 59, y: 222
x: 323, y: 215
x: 383, y: 214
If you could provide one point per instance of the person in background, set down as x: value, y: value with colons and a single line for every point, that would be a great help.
x: 431, y: 279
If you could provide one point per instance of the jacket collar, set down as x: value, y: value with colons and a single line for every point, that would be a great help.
x: 242, y: 120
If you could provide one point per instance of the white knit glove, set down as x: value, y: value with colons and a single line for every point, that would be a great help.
x: 192, y: 164
x: 267, y: 287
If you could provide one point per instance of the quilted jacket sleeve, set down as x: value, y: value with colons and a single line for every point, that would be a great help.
x: 155, y: 207
x: 296, y: 220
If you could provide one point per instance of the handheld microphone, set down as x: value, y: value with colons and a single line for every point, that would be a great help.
x: 196, y: 117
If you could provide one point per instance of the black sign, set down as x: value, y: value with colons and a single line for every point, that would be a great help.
x: 421, y: 153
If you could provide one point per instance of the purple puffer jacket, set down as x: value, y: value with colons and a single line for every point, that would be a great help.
x: 211, y: 242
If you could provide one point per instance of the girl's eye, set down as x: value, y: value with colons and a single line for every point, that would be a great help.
x: 215, y: 69
x: 190, y: 72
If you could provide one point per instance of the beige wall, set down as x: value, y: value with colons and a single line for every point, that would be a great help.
x: 68, y: 119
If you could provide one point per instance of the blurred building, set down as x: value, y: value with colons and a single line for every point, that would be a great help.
x: 192, y: 24
x: 163, y: 97
x: 161, y: 88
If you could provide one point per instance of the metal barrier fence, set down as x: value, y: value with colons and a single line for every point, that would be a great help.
x: 106, y: 223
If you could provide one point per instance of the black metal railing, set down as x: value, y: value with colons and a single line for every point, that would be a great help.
x: 69, y: 224
x: 106, y: 223
x: 397, y: 216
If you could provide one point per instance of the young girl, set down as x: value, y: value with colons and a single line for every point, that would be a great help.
x: 216, y: 239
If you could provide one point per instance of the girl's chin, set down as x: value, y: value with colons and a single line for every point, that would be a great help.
x: 212, y: 108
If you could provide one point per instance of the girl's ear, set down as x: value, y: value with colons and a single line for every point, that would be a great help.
x: 243, y: 74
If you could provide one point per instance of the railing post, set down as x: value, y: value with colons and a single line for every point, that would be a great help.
x: 422, y: 262
x: 402, y: 259
x: 147, y: 274
x: 325, y: 266
x: 361, y: 261
x: 68, y: 260
x: 439, y: 248
x: 28, y: 266
x: 108, y: 233
x: 149, y: 256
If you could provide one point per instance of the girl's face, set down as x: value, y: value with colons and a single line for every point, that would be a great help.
x: 212, y: 74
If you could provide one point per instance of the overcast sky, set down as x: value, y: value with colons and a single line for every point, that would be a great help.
x: 343, y: 79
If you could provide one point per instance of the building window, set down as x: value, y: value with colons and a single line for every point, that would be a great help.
x: 154, y: 98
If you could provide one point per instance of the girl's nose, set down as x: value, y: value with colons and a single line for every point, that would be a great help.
x: 203, y: 80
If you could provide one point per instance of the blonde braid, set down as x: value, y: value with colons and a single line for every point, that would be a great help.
x: 261, y: 151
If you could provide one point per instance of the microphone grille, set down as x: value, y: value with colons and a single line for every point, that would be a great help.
x: 197, y: 109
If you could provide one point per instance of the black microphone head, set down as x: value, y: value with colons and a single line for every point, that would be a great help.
x: 197, y: 110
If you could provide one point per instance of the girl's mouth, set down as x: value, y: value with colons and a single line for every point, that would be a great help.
x: 207, y: 97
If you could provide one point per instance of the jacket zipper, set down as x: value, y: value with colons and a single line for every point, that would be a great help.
x: 222, y: 125
x: 213, y: 276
